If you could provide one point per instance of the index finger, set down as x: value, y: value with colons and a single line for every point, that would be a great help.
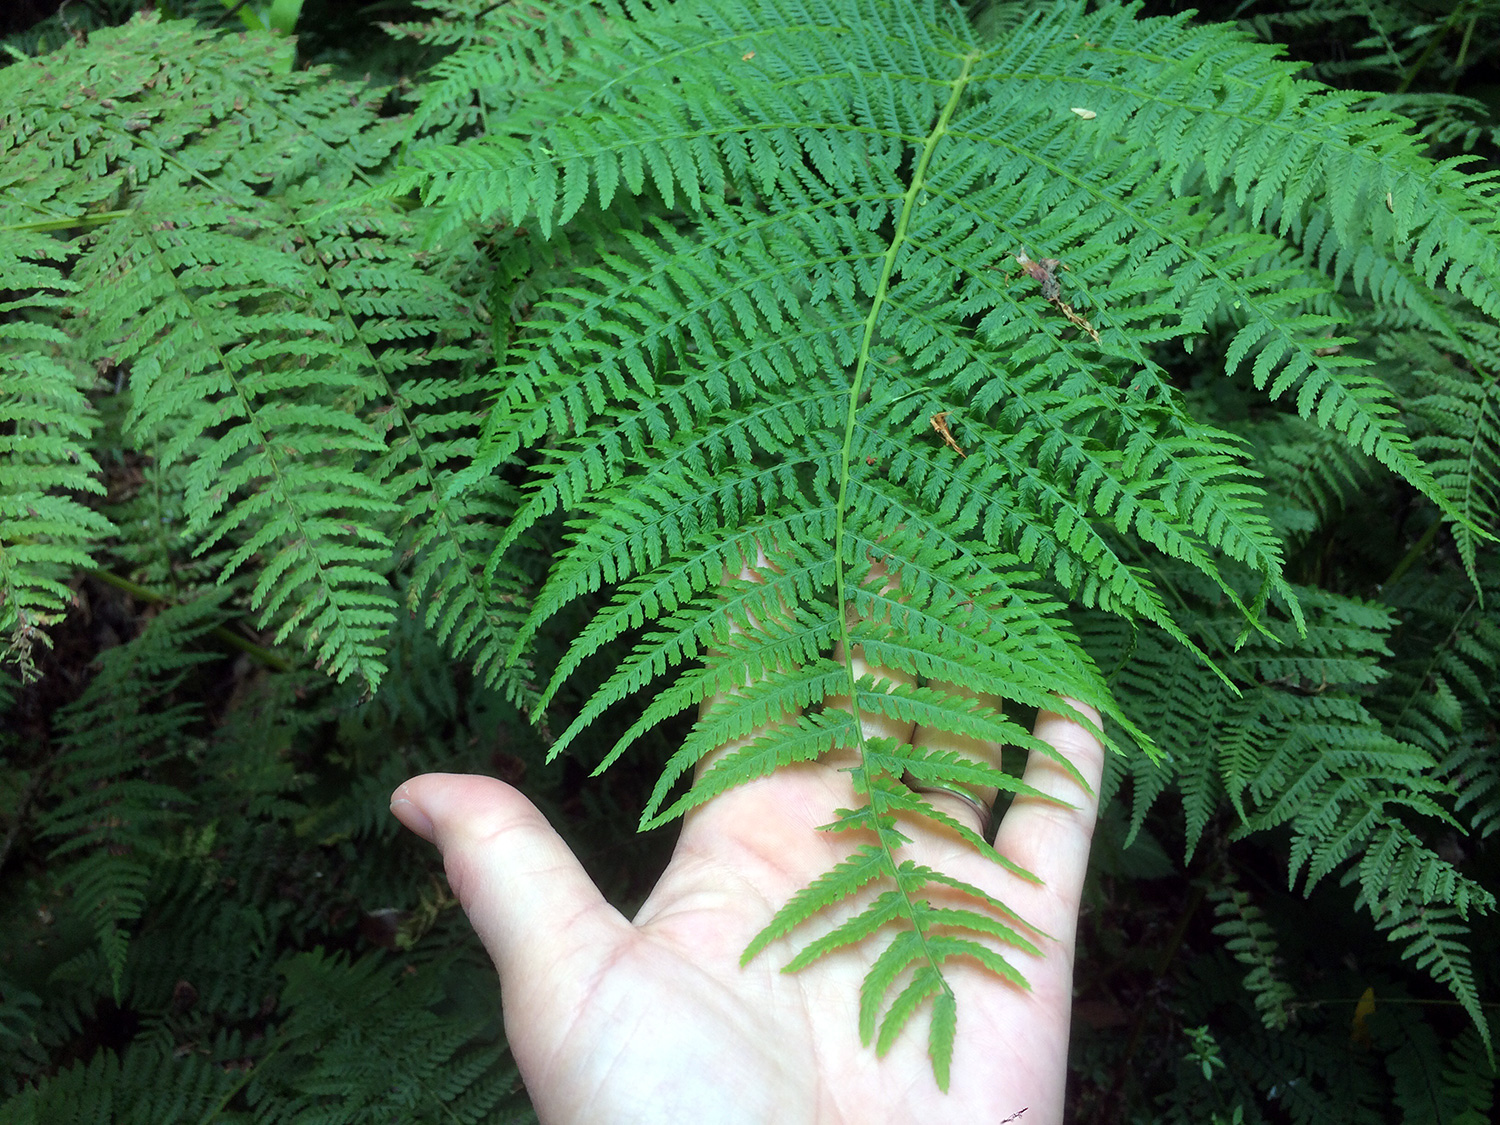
x: 1051, y: 838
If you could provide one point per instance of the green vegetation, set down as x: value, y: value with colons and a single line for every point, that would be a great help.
x: 353, y: 430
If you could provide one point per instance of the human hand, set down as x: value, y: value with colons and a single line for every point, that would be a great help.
x: 654, y: 1019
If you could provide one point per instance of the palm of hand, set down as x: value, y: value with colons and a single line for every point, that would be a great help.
x: 655, y: 1020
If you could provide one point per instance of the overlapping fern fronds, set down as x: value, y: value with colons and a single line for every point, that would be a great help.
x: 115, y: 807
x: 274, y: 350
x: 890, y: 300
x: 45, y: 424
x: 195, y: 907
x: 888, y: 305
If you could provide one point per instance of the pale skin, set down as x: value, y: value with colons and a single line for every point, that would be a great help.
x: 653, y: 1019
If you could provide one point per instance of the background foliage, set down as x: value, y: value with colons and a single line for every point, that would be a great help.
x: 209, y: 914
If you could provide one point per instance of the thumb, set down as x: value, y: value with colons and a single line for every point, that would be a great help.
x: 527, y: 896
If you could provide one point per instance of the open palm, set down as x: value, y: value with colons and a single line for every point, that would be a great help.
x: 655, y: 1020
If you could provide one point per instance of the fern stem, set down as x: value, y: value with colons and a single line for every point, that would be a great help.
x: 1418, y: 549
x: 856, y: 388
x: 228, y: 636
x: 1432, y: 45
x: 1411, y: 1001
x: 1463, y: 53
x: 89, y: 219
x: 244, y: 1078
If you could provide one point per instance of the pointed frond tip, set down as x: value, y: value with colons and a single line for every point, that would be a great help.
x: 927, y: 935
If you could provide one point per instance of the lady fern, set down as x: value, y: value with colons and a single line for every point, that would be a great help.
x: 835, y: 200
x: 274, y: 352
x: 44, y: 532
x: 881, y: 310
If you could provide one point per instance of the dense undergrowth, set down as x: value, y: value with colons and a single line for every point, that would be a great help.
x: 398, y: 404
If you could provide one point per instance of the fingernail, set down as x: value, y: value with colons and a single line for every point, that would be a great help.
x: 409, y: 814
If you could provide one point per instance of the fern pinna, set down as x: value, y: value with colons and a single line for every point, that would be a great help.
x: 883, y: 299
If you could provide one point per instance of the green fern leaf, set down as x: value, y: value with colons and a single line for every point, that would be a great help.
x: 1251, y: 941
x: 270, y: 329
x: 45, y: 423
x: 1434, y: 942
x: 810, y: 339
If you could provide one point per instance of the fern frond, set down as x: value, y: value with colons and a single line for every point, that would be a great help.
x: 1298, y: 745
x: 1469, y: 1077
x: 146, y: 1082
x: 1434, y: 942
x: 1312, y: 473
x: 1251, y: 941
x: 267, y: 316
x: 1461, y: 410
x: 496, y: 51
x: 45, y: 423
x: 927, y: 934
x: 820, y: 267
x: 1308, y: 1080
x: 1442, y: 686
x: 1471, y: 768
x: 123, y: 727
x: 1276, y: 138
x: 403, y: 1059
